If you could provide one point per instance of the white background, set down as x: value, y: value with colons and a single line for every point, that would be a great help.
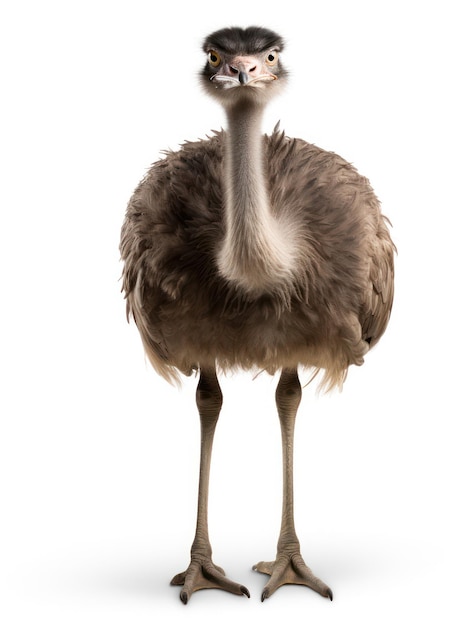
x: 98, y: 456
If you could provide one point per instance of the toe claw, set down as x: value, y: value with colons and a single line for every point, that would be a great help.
x: 245, y: 591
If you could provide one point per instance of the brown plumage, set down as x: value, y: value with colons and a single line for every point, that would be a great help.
x: 255, y: 252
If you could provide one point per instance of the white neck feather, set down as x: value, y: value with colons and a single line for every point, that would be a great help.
x: 258, y: 252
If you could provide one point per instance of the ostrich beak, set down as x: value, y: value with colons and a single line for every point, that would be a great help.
x: 243, y: 78
x: 248, y: 69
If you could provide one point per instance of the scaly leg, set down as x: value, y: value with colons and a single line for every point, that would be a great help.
x: 289, y: 566
x: 202, y: 573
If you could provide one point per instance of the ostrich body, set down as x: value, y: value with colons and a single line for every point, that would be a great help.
x: 254, y: 252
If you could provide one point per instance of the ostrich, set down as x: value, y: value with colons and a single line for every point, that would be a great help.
x: 258, y: 252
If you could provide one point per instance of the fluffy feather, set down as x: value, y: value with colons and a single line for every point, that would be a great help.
x: 189, y: 316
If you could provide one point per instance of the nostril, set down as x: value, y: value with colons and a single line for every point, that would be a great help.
x: 252, y: 69
x: 234, y: 70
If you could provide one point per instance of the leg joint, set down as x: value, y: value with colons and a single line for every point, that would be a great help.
x: 288, y: 391
x: 208, y: 394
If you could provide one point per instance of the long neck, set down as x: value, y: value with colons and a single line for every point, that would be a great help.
x: 247, y: 205
x: 255, y: 254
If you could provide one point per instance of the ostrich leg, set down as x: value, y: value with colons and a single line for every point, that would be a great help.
x: 289, y: 566
x: 202, y: 573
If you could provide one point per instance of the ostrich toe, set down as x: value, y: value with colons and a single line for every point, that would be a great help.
x: 290, y: 569
x: 203, y: 574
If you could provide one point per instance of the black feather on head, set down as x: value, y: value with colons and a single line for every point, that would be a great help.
x: 251, y: 40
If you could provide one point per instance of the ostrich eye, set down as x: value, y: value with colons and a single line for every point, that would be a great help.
x: 214, y: 58
x: 272, y: 57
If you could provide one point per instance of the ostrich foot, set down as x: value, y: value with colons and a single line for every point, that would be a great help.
x: 203, y: 574
x: 290, y: 569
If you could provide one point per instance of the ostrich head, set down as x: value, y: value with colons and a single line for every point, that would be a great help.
x: 243, y: 65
